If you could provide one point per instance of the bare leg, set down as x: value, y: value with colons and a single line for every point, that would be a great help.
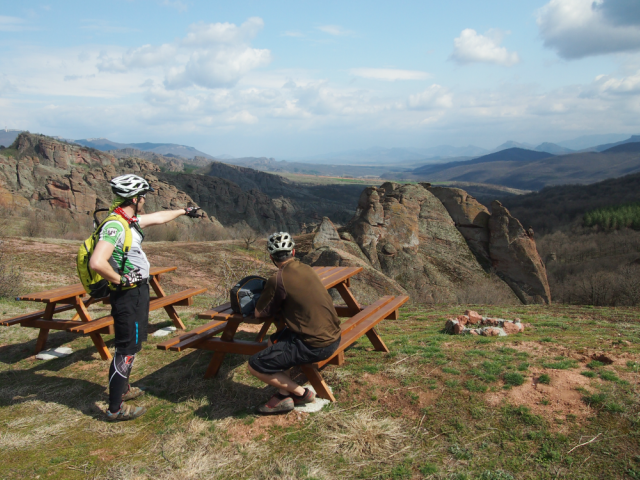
x: 281, y: 381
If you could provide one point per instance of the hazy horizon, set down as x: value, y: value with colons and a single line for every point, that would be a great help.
x: 296, y: 80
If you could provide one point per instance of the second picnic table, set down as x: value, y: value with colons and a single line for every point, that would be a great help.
x: 361, y: 321
x: 72, y: 297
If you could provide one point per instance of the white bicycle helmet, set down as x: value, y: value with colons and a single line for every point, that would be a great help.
x: 129, y: 186
x: 280, y: 242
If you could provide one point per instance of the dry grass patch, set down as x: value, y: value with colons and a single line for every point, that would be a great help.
x: 363, y: 435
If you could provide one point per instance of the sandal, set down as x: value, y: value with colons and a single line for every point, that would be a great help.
x: 277, y: 404
x: 307, y: 397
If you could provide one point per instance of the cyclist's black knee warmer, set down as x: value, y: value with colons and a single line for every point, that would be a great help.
x: 119, y: 372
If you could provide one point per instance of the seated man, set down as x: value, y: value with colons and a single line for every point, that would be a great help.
x: 312, y: 331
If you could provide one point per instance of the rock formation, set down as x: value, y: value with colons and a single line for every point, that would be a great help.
x: 471, y: 219
x: 48, y: 174
x: 499, y: 242
x: 433, y: 242
x: 515, y: 257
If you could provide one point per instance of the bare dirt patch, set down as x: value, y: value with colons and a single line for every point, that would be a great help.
x: 390, y: 394
x: 244, y: 431
x: 552, y: 402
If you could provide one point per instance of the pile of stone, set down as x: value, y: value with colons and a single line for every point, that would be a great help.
x: 472, y: 323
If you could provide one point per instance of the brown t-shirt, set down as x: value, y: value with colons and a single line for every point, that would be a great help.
x: 297, y: 293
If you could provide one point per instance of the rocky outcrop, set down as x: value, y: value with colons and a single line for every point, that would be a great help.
x: 328, y: 249
x: 499, y: 242
x: 434, y: 243
x: 405, y: 233
x: 515, y: 257
x: 471, y: 219
x: 47, y: 174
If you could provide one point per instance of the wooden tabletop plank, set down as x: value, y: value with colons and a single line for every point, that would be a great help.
x: 340, y: 276
x: 63, y: 293
x: 320, y: 270
x: 331, y: 271
x: 160, y: 270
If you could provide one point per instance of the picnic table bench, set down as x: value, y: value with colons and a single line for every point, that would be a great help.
x: 72, y: 297
x: 362, y: 320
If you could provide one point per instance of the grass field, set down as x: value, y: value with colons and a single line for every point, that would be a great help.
x: 436, y: 407
x: 327, y: 180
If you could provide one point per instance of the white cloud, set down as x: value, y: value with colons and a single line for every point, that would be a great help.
x: 211, y: 55
x: 335, y: 30
x: 212, y: 34
x: 610, y: 85
x: 12, y: 24
x: 436, y: 96
x: 471, y: 47
x: 389, y: 74
x: 580, y: 28
x: 143, y: 57
x: 243, y: 117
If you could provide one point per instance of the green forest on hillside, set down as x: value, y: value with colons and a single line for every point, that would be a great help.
x: 614, y: 218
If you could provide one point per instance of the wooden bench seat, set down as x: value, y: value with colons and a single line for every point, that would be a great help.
x: 193, y: 337
x: 155, y: 304
x: 32, y: 316
x: 360, y: 324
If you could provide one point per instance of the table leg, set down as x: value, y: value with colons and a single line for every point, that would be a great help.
x: 44, y: 332
x: 264, y: 330
x: 348, y: 298
x: 318, y: 383
x: 90, y: 301
x: 84, y: 315
x: 338, y: 359
x: 173, y: 315
x: 377, y: 342
x: 216, y: 361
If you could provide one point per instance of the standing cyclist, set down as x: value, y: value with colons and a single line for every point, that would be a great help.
x: 129, y: 286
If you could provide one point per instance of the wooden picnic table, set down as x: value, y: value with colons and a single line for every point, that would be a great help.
x: 361, y: 321
x: 74, y: 297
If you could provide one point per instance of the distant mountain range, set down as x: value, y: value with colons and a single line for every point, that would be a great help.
x: 159, y: 148
x: 513, y: 154
x: 529, y: 169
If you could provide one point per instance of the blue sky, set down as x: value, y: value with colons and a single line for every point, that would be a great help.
x: 291, y: 79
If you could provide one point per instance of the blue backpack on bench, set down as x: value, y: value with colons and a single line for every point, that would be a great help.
x: 245, y: 294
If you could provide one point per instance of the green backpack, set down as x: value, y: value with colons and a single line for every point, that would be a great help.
x: 93, y: 283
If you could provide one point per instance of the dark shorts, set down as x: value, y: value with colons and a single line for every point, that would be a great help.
x: 289, y: 352
x: 130, y: 311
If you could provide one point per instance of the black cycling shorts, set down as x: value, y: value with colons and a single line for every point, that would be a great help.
x: 289, y: 351
x: 130, y: 311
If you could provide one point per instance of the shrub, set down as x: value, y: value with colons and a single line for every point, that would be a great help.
x: 588, y: 373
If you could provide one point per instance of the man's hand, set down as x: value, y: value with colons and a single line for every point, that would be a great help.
x: 130, y: 278
x: 192, y: 212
